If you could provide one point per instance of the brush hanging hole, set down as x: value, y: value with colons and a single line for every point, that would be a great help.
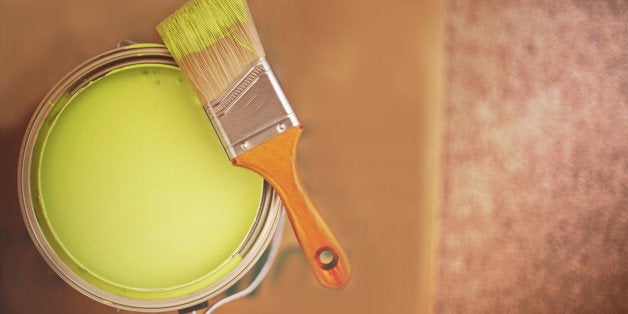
x: 326, y: 257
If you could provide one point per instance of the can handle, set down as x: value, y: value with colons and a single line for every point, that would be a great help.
x: 273, y: 248
x: 254, y: 282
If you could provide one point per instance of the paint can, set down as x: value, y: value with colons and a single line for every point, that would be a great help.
x: 47, y: 216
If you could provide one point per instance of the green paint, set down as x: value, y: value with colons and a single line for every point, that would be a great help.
x: 135, y: 193
x: 200, y: 23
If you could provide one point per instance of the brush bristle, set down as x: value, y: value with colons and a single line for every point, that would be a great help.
x: 213, y: 41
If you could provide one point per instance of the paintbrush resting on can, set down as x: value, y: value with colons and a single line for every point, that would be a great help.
x: 216, y: 45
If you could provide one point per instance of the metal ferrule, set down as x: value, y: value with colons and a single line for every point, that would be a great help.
x: 253, y: 111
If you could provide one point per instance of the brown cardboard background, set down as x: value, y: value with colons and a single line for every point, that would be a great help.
x: 364, y: 79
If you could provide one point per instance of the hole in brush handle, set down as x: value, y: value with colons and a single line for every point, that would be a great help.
x: 326, y: 258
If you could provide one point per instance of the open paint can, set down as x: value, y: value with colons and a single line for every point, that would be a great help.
x: 129, y: 196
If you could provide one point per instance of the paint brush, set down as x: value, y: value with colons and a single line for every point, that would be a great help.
x: 216, y: 45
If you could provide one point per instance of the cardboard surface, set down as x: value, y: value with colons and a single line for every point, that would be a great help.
x: 364, y: 79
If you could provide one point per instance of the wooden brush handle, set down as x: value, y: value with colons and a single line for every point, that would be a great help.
x: 275, y: 160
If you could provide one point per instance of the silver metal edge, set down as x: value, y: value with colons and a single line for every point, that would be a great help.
x: 254, y: 110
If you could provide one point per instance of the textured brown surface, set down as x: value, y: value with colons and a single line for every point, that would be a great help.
x: 535, y: 210
x: 364, y: 79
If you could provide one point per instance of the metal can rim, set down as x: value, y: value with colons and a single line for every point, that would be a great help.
x: 264, y: 228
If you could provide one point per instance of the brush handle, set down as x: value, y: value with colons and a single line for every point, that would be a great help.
x: 275, y: 160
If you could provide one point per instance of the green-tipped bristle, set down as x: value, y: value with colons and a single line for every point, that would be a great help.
x: 199, y: 24
x: 213, y: 41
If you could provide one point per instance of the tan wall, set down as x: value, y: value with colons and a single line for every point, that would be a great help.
x: 364, y: 79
